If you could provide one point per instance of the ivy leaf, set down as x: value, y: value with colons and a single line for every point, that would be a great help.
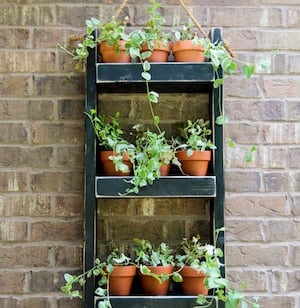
x: 221, y: 120
x: 156, y: 120
x: 146, y: 66
x: 153, y: 97
x: 68, y: 277
x: 218, y: 82
x: 248, y: 70
x: 146, y: 76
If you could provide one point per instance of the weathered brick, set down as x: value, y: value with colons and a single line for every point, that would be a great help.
x: 280, y: 231
x: 25, y: 61
x: 29, y: 256
x: 69, y: 206
x: 46, y: 85
x: 294, y: 183
x: 236, y: 131
x: 70, y: 109
x: 275, y: 181
x: 293, y: 110
x: 74, y: 15
x: 242, y: 181
x: 275, y: 157
x: 295, y: 256
x: 13, y: 133
x: 285, y: 281
x: 244, y: 231
x: 13, y: 181
x: 57, y: 181
x: 13, y: 231
x: 15, y: 38
x: 294, y: 154
x: 56, y: 230
x: 13, y: 109
x: 258, y: 206
x: 237, y: 87
x: 12, y: 282
x: 278, y: 301
x: 42, y: 281
x: 255, y: 280
x: 277, y: 88
x: 64, y: 302
x: 34, y: 205
x: 8, y: 85
x: 278, y: 133
x: 71, y: 157
x: 68, y: 256
x: 255, y: 110
x: 295, y: 204
x: 257, y: 255
x: 55, y: 133
x: 262, y: 17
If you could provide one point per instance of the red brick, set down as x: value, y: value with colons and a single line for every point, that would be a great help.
x: 12, y: 282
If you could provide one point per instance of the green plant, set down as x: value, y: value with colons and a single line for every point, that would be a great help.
x: 151, y: 151
x: 195, y: 136
x: 148, y: 254
x: 184, y: 32
x: 154, y: 26
x: 96, y: 32
x: 102, y: 270
x: 207, y: 258
x: 110, y: 137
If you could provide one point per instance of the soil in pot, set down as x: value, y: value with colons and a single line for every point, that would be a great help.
x: 109, y: 167
x: 109, y: 53
x: 193, y: 281
x: 151, y: 286
x: 196, y: 164
x: 186, y: 51
x: 120, y: 280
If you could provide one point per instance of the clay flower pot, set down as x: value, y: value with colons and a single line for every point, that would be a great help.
x: 109, y: 167
x: 151, y: 286
x: 160, y: 52
x: 109, y: 53
x: 120, y: 280
x: 193, y: 281
x: 186, y: 51
x: 165, y: 169
x: 196, y: 164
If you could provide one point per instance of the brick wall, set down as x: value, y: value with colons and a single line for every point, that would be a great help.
x: 41, y: 153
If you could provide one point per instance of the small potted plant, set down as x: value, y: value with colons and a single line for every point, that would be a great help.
x: 157, y: 41
x: 114, y: 149
x: 191, y: 258
x: 194, y: 147
x: 156, y: 266
x: 187, y: 46
x: 114, y: 276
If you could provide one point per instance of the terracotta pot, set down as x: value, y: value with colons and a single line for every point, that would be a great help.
x: 109, y: 167
x: 165, y: 169
x: 186, y: 51
x: 151, y: 286
x: 120, y: 280
x: 109, y: 53
x: 193, y: 281
x: 196, y: 164
x: 160, y: 52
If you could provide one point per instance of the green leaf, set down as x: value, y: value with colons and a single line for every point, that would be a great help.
x: 221, y: 120
x: 156, y: 120
x: 177, y: 277
x: 146, y: 66
x: 146, y: 76
x: 68, y: 277
x: 248, y: 70
x: 218, y: 82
